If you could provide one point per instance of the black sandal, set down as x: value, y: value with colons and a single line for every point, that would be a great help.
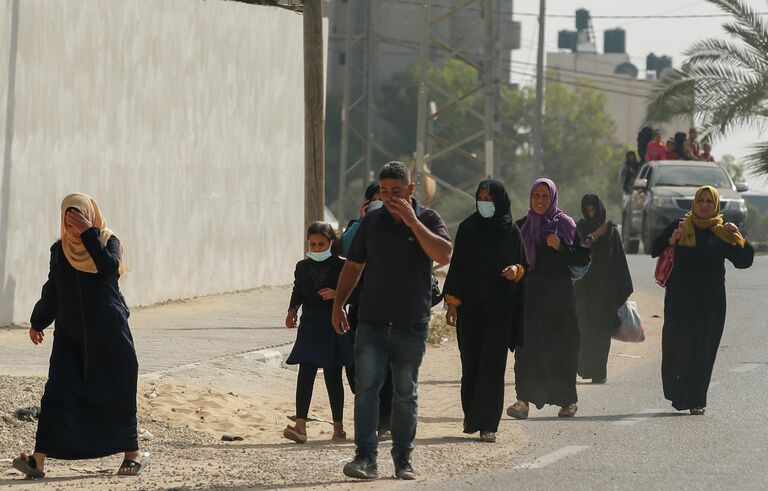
x: 28, y: 467
x: 131, y: 467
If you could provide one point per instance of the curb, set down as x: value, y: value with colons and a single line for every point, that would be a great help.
x: 273, y: 357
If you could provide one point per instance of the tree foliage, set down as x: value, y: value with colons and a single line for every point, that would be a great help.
x: 579, y: 152
x: 723, y: 82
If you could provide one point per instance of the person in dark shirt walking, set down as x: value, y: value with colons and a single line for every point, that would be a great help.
x: 397, y: 245
x: 372, y: 202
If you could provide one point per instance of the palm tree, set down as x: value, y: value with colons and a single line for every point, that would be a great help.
x: 723, y: 82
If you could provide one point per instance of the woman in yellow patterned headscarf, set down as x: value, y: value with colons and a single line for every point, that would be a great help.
x: 705, y: 214
x: 695, y: 301
x: 73, y: 224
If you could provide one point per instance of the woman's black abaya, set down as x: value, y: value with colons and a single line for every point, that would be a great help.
x: 88, y: 409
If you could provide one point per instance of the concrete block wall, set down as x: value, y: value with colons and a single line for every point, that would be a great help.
x: 183, y: 118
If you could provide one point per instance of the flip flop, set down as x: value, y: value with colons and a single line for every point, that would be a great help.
x: 231, y: 438
x: 132, y: 467
x: 293, y: 435
x: 340, y: 436
x: 28, y: 466
x: 488, y: 437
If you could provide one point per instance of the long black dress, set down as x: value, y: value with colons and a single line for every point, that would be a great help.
x: 599, y: 294
x: 694, y: 313
x: 489, y: 317
x: 88, y: 408
x: 545, y: 364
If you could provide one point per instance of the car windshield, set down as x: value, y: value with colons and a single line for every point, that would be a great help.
x: 692, y: 176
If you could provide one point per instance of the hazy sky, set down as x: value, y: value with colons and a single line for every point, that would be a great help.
x: 661, y: 36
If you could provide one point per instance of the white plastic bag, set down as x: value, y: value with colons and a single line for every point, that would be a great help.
x: 631, y: 327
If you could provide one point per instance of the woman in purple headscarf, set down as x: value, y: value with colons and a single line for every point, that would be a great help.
x: 545, y: 364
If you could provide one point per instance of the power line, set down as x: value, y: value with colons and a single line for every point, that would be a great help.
x: 582, y: 85
x: 666, y: 12
x: 556, y: 50
x: 417, y: 3
x: 678, y: 16
x: 581, y: 72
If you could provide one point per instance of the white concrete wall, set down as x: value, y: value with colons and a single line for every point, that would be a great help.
x: 183, y: 118
x: 627, y: 97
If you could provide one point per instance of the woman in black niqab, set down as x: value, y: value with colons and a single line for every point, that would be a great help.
x: 484, y: 290
x: 603, y: 289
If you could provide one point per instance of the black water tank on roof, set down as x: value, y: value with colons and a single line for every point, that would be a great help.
x: 626, y: 69
x: 663, y: 64
x: 651, y: 61
x: 615, y: 41
x: 582, y: 19
x: 566, y: 40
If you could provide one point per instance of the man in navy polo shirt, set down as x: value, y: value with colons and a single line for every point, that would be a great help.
x: 396, y: 244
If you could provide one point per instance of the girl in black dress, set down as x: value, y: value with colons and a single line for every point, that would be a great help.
x: 317, y: 344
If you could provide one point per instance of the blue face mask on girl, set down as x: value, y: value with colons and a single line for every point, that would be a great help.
x: 486, y: 208
x: 320, y: 256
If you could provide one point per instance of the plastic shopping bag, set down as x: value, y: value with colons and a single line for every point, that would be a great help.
x: 631, y: 327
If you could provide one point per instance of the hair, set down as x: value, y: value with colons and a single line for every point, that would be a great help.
x: 631, y: 153
x: 693, y: 128
x: 371, y: 190
x: 680, y: 138
x: 395, y: 170
x: 644, y: 137
x: 326, y: 230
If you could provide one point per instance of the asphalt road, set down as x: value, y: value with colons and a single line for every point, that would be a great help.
x: 627, y: 436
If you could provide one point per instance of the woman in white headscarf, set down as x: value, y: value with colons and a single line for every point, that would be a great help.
x: 88, y: 408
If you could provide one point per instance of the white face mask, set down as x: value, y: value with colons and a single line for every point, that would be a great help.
x: 486, y: 208
x: 375, y: 204
x: 320, y: 256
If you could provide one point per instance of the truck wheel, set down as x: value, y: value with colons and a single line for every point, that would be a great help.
x: 647, y: 239
x: 631, y: 246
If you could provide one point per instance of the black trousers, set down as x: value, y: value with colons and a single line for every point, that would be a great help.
x: 306, y: 384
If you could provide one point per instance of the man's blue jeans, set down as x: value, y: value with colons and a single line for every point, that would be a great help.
x: 377, y: 347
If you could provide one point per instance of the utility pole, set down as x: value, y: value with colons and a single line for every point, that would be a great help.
x: 538, y: 127
x: 345, y: 103
x: 423, y: 113
x: 314, y: 124
x: 369, y: 107
x: 484, y: 60
x: 491, y: 86
x: 358, y: 138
